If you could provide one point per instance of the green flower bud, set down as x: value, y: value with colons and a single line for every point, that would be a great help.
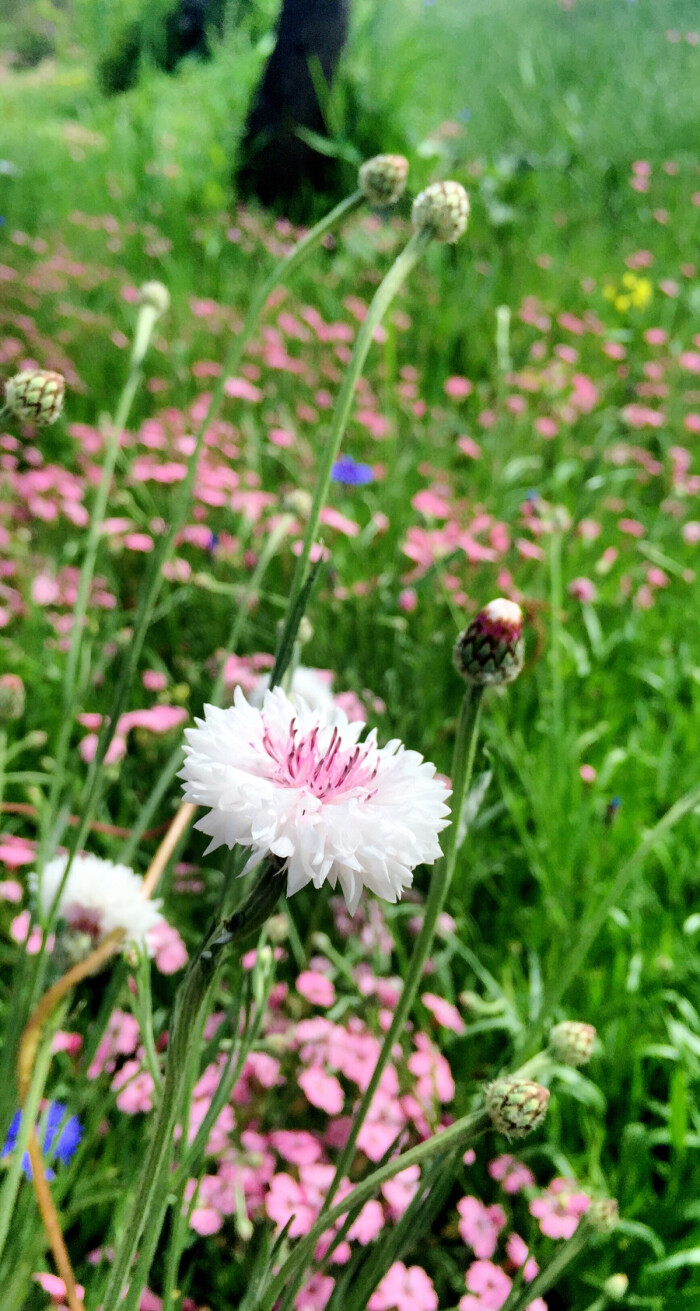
x: 36, y: 396
x: 442, y: 209
x: 382, y: 180
x: 572, y: 1042
x: 516, y: 1106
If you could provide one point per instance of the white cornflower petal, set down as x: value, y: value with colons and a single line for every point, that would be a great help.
x: 97, y: 897
x: 297, y: 783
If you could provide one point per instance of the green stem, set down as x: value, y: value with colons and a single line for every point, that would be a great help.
x: 462, y: 1132
x: 588, y: 930
x: 81, y: 604
x: 556, y: 601
x: 277, y: 277
x: 521, y: 1297
x: 462, y: 766
x: 153, y: 1182
x: 150, y: 1202
x: 381, y: 301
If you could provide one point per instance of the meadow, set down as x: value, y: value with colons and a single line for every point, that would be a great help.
x: 524, y: 428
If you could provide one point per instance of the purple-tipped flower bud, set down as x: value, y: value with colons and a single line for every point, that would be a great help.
x: 382, y: 180
x: 491, y: 650
x: 516, y: 1106
x: 603, y: 1214
x: 36, y: 395
x: 11, y: 697
x: 442, y: 209
x: 572, y: 1042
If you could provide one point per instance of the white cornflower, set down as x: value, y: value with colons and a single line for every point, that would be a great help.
x: 297, y: 784
x: 97, y: 897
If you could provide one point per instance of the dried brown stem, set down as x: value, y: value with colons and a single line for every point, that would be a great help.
x: 31, y: 1037
x: 52, y: 1224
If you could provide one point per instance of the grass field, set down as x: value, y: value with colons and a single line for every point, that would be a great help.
x: 529, y: 413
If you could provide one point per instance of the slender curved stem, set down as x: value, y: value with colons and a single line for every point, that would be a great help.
x: 462, y: 766
x: 463, y: 1131
x: 588, y: 930
x: 52, y: 1224
x: 381, y: 301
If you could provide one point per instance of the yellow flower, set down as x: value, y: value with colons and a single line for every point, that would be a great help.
x: 622, y: 303
x: 642, y: 293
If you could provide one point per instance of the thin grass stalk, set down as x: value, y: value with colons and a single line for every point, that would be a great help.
x: 462, y: 767
x: 463, y: 1132
x: 190, y: 1002
x: 589, y: 928
x: 385, y: 293
x: 521, y: 1297
x: 441, y: 877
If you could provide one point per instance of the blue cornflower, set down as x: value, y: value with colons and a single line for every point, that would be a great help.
x: 213, y: 543
x: 348, y: 471
x: 61, y: 1137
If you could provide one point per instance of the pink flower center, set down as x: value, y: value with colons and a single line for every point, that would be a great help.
x: 300, y: 762
x: 84, y: 921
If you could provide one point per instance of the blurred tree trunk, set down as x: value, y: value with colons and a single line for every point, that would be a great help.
x: 277, y: 164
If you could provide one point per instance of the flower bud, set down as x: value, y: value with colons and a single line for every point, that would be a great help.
x: 11, y: 697
x: 616, y: 1286
x: 298, y: 503
x: 603, y: 1214
x: 36, y: 395
x: 491, y: 651
x: 516, y: 1106
x: 382, y: 180
x: 572, y: 1042
x: 442, y: 209
x: 156, y: 295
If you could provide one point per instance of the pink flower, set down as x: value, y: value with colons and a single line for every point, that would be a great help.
x: 316, y: 1293
x: 445, y: 1013
x: 286, y: 1199
x: 136, y: 1086
x: 55, y: 1287
x: 583, y: 589
x: 490, y: 1283
x: 399, y: 1191
x: 167, y: 947
x: 316, y: 988
x: 297, y: 1147
x: 404, y: 1289
x: 479, y: 1225
x: 517, y: 1251
x: 457, y: 387
x: 511, y: 1173
x: 560, y: 1208
x: 369, y: 1223
x: 322, y: 1090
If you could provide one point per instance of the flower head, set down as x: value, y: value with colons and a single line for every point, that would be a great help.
x: 36, y: 395
x: 12, y: 697
x: 491, y: 650
x: 351, y: 473
x: 382, y: 179
x: 297, y: 784
x: 443, y: 210
x: 61, y: 1137
x: 516, y: 1106
x: 97, y: 897
x: 572, y: 1042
